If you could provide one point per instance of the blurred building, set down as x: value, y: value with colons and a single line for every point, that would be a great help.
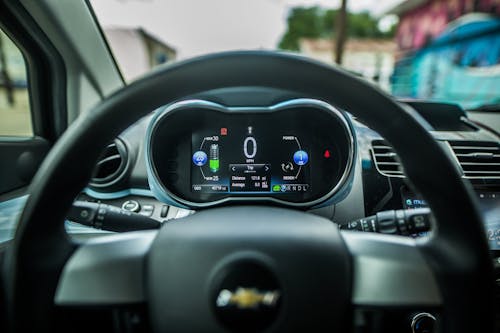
x: 421, y: 21
x: 137, y: 51
x: 371, y: 58
x: 448, y: 51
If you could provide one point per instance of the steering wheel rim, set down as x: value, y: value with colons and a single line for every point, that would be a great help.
x: 457, y: 252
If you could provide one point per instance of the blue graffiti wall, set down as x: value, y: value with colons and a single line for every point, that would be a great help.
x: 461, y: 65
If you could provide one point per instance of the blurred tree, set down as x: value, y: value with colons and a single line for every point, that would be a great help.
x: 302, y: 22
x: 315, y: 22
x: 5, y: 80
x: 340, y: 32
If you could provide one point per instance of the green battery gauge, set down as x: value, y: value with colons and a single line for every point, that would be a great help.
x: 214, y: 163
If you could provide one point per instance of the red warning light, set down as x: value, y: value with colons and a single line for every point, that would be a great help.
x: 223, y: 131
x: 327, y: 154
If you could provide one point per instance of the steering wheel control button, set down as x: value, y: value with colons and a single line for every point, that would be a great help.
x: 418, y: 220
x: 131, y: 206
x: 423, y: 323
x: 147, y: 210
x: 387, y: 222
x: 84, y: 213
x: 200, y: 158
x: 402, y: 222
x: 300, y: 157
x: 247, y: 297
x: 164, y: 211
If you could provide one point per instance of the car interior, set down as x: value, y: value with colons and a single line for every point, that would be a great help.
x: 238, y: 191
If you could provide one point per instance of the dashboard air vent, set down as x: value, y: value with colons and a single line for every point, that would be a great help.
x: 111, y: 165
x: 386, y: 160
x: 478, y: 159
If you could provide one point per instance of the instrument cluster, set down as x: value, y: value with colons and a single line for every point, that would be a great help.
x: 296, y: 153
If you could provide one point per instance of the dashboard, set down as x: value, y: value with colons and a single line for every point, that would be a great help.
x: 251, y: 145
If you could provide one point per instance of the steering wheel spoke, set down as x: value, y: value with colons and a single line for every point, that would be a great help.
x: 390, y: 271
x: 108, y: 270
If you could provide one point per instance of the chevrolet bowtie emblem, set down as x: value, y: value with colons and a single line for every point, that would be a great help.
x: 247, y: 298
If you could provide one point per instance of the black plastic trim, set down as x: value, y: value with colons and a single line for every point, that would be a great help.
x: 103, y: 36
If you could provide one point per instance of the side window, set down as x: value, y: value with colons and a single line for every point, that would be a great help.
x: 15, y: 115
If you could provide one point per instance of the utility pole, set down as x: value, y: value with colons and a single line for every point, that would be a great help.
x: 7, y: 82
x: 340, y: 32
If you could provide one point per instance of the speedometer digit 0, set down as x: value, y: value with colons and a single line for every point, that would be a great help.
x: 250, y: 147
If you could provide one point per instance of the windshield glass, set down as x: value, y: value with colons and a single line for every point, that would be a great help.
x: 435, y: 50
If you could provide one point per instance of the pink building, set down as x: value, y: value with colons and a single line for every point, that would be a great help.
x: 422, y: 20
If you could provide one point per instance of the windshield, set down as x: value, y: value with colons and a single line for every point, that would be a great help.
x: 434, y: 50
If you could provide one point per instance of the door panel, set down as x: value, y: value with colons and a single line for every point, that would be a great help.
x: 19, y: 161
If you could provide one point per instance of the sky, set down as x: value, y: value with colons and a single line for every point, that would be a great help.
x: 195, y: 27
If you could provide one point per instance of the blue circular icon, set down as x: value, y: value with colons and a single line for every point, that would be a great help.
x: 200, y: 158
x: 300, y: 157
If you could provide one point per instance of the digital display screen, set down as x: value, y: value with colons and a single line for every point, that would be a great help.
x: 490, y: 207
x: 246, y: 158
x: 294, y: 154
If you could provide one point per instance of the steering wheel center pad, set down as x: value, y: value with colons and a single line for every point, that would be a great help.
x: 191, y: 262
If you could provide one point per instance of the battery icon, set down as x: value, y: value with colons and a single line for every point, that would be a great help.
x: 214, y: 158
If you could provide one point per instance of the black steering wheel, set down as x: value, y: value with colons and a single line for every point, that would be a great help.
x: 310, y: 275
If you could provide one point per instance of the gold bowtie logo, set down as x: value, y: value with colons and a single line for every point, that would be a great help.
x: 247, y: 298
